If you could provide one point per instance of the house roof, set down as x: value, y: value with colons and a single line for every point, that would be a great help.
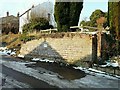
x: 8, y: 19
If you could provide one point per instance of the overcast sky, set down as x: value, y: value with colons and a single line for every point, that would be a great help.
x: 15, y: 6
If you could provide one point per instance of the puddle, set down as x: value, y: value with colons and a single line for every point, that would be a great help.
x: 67, y: 72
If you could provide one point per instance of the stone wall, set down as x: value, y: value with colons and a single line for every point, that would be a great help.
x: 68, y: 48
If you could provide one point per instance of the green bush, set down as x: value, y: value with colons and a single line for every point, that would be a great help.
x: 37, y: 24
x: 26, y: 38
x: 27, y: 28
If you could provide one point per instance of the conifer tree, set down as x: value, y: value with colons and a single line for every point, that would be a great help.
x: 67, y: 14
x: 114, y: 18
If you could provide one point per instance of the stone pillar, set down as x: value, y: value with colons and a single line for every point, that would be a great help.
x: 94, y: 49
x: 104, y: 53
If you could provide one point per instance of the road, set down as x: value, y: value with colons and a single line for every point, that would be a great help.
x: 39, y: 74
x: 33, y: 82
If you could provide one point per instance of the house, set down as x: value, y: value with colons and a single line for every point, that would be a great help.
x: 9, y: 23
x: 44, y: 10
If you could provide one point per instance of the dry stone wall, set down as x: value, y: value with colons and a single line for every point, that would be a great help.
x: 67, y: 48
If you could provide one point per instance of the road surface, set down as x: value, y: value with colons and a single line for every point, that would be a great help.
x: 31, y: 75
x: 33, y: 82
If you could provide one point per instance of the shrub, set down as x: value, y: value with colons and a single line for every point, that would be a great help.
x: 37, y: 24
x: 26, y: 38
x: 26, y: 28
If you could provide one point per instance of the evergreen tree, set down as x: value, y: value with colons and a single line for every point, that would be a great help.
x: 75, y: 10
x: 114, y: 22
x: 67, y: 14
x: 62, y: 15
x: 114, y: 18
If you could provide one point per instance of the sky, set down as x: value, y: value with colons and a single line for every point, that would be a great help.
x: 15, y: 6
x: 90, y: 6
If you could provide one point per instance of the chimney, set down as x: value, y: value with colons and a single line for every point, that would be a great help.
x: 32, y: 6
x: 7, y: 14
x: 18, y: 14
x: 49, y: 17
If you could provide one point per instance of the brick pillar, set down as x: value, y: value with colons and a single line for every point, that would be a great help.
x: 94, y: 48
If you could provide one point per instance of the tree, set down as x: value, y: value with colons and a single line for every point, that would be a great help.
x: 114, y: 19
x: 67, y: 14
x: 37, y: 24
x: 106, y: 22
x: 96, y: 15
x: 100, y: 21
x: 75, y: 10
x: 114, y: 22
x: 85, y: 23
x: 62, y: 15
